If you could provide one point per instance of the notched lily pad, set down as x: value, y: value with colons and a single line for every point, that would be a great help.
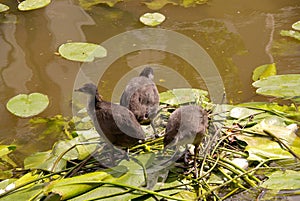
x: 83, y: 52
x: 264, y: 71
x: 152, y: 19
x: 24, y: 105
x: 282, y: 86
x: 33, y: 4
x: 3, y: 7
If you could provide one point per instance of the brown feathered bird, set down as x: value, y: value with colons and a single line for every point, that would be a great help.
x: 186, y: 125
x: 141, y: 97
x: 114, y: 122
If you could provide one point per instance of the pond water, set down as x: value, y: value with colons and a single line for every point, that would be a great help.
x: 237, y: 35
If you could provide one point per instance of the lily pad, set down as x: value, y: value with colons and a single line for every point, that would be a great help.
x: 83, y: 52
x: 86, y: 4
x: 290, y: 33
x: 279, y: 180
x: 242, y: 112
x: 264, y: 71
x: 158, y: 4
x: 33, y: 4
x: 183, y: 96
x: 3, y: 7
x: 152, y: 19
x: 282, y: 86
x: 296, y: 26
x: 24, y: 105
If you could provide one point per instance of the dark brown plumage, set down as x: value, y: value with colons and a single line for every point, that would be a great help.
x: 141, y: 97
x: 187, y: 125
x: 118, y: 125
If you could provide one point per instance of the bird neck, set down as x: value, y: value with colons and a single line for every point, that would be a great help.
x: 93, y: 100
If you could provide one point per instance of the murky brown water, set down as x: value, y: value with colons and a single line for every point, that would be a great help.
x: 238, y: 35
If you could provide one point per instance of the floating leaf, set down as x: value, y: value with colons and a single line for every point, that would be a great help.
x: 33, y: 4
x: 290, y: 33
x: 283, y: 180
x: 83, y: 52
x: 88, y: 3
x: 296, y: 26
x: 24, y: 105
x: 282, y: 86
x: 3, y: 7
x: 263, y: 147
x: 264, y: 71
x: 4, y: 151
x: 44, y: 161
x: 183, y: 96
x: 158, y: 4
x: 191, y: 3
x: 241, y: 112
x: 152, y: 19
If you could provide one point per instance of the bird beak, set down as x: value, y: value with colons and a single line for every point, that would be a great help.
x: 78, y: 90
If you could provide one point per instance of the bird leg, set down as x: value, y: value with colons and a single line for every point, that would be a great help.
x: 196, y: 151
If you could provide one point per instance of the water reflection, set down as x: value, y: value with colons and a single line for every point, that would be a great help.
x: 236, y: 35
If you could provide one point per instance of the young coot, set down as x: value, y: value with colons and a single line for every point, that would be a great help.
x: 186, y: 125
x: 141, y: 97
x: 114, y: 122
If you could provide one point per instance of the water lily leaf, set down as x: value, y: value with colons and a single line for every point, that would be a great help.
x: 290, y: 33
x: 264, y: 147
x: 183, y: 96
x: 288, y: 111
x: 158, y: 4
x: 3, y: 7
x: 33, y: 4
x: 191, y: 3
x: 264, y: 71
x: 152, y: 19
x: 242, y: 112
x: 83, y: 52
x: 44, y: 161
x: 4, y: 151
x: 24, y: 105
x: 282, y: 86
x: 296, y: 26
x: 283, y: 180
x: 86, y: 4
x: 74, y: 186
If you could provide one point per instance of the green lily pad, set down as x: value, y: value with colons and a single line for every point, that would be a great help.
x: 83, y: 52
x: 290, y: 33
x: 183, y: 96
x: 158, y: 4
x: 3, y: 7
x: 264, y: 71
x: 86, y: 4
x: 242, y: 112
x: 282, y: 86
x: 279, y: 180
x: 24, y: 105
x: 33, y: 4
x: 296, y: 26
x: 152, y: 19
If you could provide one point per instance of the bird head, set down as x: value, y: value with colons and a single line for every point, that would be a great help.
x: 147, y: 72
x: 88, y: 88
